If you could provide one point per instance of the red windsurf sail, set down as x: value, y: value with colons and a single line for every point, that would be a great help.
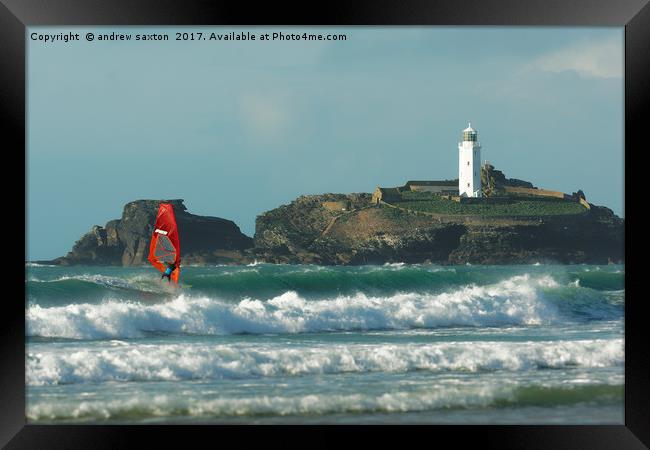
x: 165, y: 246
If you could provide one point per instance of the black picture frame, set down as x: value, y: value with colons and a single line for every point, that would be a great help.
x: 634, y: 15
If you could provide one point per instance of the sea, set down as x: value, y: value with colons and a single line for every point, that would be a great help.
x: 308, y: 344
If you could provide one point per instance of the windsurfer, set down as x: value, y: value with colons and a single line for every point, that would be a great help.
x: 164, y: 248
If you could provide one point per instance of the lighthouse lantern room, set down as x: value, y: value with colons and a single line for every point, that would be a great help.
x: 469, y: 164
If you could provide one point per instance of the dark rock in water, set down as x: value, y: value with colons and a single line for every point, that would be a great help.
x: 307, y: 231
x: 125, y: 241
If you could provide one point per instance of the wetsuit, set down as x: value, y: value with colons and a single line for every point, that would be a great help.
x: 168, y: 272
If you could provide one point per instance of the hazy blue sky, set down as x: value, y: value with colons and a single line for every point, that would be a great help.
x: 237, y: 128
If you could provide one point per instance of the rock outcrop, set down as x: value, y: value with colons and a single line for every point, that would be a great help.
x: 494, y: 181
x: 125, y: 241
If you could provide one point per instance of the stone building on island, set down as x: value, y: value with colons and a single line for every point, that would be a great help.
x: 442, y: 187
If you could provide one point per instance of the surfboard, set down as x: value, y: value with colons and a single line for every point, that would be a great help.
x: 165, y: 246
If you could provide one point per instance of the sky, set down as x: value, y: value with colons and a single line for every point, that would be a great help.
x: 236, y: 128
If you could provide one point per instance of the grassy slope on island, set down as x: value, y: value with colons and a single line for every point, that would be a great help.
x: 522, y: 206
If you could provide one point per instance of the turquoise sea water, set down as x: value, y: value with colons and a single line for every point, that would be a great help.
x: 307, y: 344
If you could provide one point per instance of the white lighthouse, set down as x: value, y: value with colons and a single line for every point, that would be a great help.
x: 469, y: 164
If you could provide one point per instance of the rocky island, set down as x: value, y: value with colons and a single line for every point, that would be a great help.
x: 307, y: 232
x: 513, y: 223
x: 125, y: 241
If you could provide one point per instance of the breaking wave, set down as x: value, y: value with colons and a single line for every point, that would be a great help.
x: 397, y: 401
x: 519, y: 300
x: 263, y: 282
x: 171, y: 362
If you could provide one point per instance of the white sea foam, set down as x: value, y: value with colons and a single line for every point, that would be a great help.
x: 110, y: 361
x: 515, y: 301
